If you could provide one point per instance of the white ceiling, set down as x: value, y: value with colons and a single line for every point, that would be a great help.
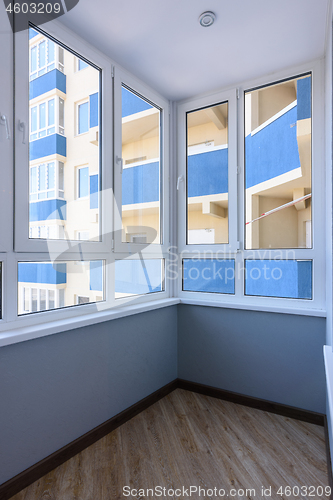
x: 161, y: 41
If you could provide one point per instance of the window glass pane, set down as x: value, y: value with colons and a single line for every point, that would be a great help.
x: 83, y: 235
x: 51, y: 51
x: 61, y: 175
x: 33, y: 299
x: 50, y: 119
x: 53, y: 201
x: 61, y: 297
x: 42, y: 305
x: 26, y: 299
x: 42, y: 178
x: 209, y: 275
x: 141, y: 177
x: 207, y: 175
x: 42, y: 116
x: 82, y: 300
x: 42, y: 55
x: 83, y: 182
x: 60, y: 64
x: 279, y: 278
x: 138, y: 277
x: 33, y: 180
x: 83, y: 118
x: 278, y: 165
x: 50, y: 177
x: 33, y: 59
x: 60, y: 282
x: 61, y: 113
x: 34, y: 119
x: 82, y: 64
x: 51, y: 299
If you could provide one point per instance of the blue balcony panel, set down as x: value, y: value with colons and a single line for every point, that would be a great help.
x: 132, y: 104
x: 283, y: 278
x: 273, y: 150
x: 96, y: 275
x: 42, y: 272
x: 141, y: 184
x: 47, y: 210
x: 304, y: 93
x: 93, y: 107
x: 209, y: 275
x: 208, y: 173
x: 304, y: 275
x: 94, y: 190
x: 49, y: 81
x: 134, y: 278
x: 49, y: 145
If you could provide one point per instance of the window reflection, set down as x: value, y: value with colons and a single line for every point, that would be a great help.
x: 278, y: 165
x: 207, y: 175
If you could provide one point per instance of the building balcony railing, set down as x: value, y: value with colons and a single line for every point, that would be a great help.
x: 46, y: 146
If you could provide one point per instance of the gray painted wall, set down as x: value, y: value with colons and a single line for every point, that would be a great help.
x: 56, y: 388
x: 278, y: 357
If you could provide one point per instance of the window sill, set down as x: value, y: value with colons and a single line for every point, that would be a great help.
x: 22, y: 334
x: 16, y: 335
x: 321, y: 313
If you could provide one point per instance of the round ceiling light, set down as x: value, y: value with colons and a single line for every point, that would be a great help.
x: 207, y: 18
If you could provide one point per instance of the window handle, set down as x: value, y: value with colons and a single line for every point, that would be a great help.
x: 179, y: 180
x: 21, y: 127
x: 4, y: 121
x: 120, y: 160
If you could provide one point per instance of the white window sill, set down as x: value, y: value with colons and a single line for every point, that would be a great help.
x: 256, y: 307
x: 16, y: 335
x: 36, y: 331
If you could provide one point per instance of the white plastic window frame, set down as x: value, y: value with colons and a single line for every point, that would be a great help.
x: 11, y: 320
x: 78, y: 46
x: 316, y: 254
x: 186, y: 107
x: 123, y: 78
x: 6, y: 136
x: 14, y: 328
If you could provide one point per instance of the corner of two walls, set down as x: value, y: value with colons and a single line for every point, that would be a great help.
x: 329, y: 220
x: 54, y: 389
x: 277, y: 357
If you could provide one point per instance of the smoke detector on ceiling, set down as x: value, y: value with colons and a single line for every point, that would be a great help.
x: 207, y: 18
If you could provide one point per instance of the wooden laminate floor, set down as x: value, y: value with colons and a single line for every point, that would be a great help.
x: 189, y: 440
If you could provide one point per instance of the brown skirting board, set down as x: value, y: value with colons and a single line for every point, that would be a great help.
x: 32, y: 474
x: 260, y: 404
x: 29, y: 476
